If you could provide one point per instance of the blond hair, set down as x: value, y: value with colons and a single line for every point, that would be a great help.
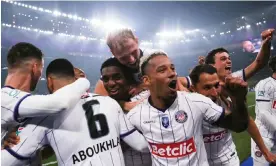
x: 116, y: 38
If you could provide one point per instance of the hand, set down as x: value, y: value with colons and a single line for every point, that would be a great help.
x: 135, y: 89
x: 12, y: 140
x: 201, y: 60
x: 236, y: 87
x: 267, y: 35
x: 270, y: 157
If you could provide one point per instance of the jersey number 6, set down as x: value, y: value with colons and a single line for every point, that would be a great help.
x: 93, y: 119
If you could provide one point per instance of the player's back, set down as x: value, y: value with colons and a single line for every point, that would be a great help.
x: 89, y: 134
x: 10, y: 100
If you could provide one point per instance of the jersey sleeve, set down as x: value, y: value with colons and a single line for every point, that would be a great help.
x: 263, y: 92
x: 33, y: 135
x: 210, y: 110
x: 240, y: 74
x: 42, y: 105
x: 189, y: 81
x: 130, y: 135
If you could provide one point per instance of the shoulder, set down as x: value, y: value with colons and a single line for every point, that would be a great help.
x: 106, y: 100
x: 265, y: 83
x: 143, y: 106
x: 193, y: 97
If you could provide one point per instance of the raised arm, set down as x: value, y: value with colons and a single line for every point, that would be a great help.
x: 263, y: 56
x: 236, y: 118
x: 40, y: 105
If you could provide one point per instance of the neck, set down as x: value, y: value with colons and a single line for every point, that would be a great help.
x: 161, y: 103
x: 274, y: 75
x: 19, y: 80
x: 60, y: 83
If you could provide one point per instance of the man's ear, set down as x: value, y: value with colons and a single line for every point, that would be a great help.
x: 146, y: 80
x: 50, y: 84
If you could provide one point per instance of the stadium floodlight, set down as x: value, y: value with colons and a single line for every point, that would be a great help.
x: 264, y: 22
x: 64, y: 14
x: 170, y: 33
x: 212, y: 35
x: 56, y: 13
x: 248, y: 26
x: 75, y: 17
x: 221, y: 33
x: 41, y: 9
x: 35, y: 8
x: 95, y: 22
x: 192, y: 31
x: 146, y: 43
x: 70, y: 16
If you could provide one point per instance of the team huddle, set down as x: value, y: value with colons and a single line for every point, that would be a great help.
x: 141, y: 112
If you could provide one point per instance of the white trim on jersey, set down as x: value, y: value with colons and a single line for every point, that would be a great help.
x: 40, y: 131
x: 62, y: 99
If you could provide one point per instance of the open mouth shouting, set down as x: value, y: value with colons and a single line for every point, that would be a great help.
x: 228, y: 69
x: 172, y: 85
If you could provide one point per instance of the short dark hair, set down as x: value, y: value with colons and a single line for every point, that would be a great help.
x: 272, y: 63
x: 210, y: 58
x: 62, y: 68
x: 21, y: 52
x: 145, y: 60
x: 114, y: 62
x: 199, y: 69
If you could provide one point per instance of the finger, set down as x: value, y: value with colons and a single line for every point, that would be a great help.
x: 12, y: 141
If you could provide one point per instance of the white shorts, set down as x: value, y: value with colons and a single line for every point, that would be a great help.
x: 256, y: 154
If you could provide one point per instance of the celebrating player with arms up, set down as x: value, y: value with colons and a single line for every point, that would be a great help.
x: 265, y: 115
x: 171, y: 120
x: 25, y: 65
x: 87, y: 134
x: 218, y: 141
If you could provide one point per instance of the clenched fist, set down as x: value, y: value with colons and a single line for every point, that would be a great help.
x: 236, y: 87
x: 267, y: 35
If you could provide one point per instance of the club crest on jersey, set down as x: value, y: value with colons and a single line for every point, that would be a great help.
x: 258, y: 154
x: 19, y: 130
x: 260, y: 93
x: 181, y: 116
x: 165, y: 121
